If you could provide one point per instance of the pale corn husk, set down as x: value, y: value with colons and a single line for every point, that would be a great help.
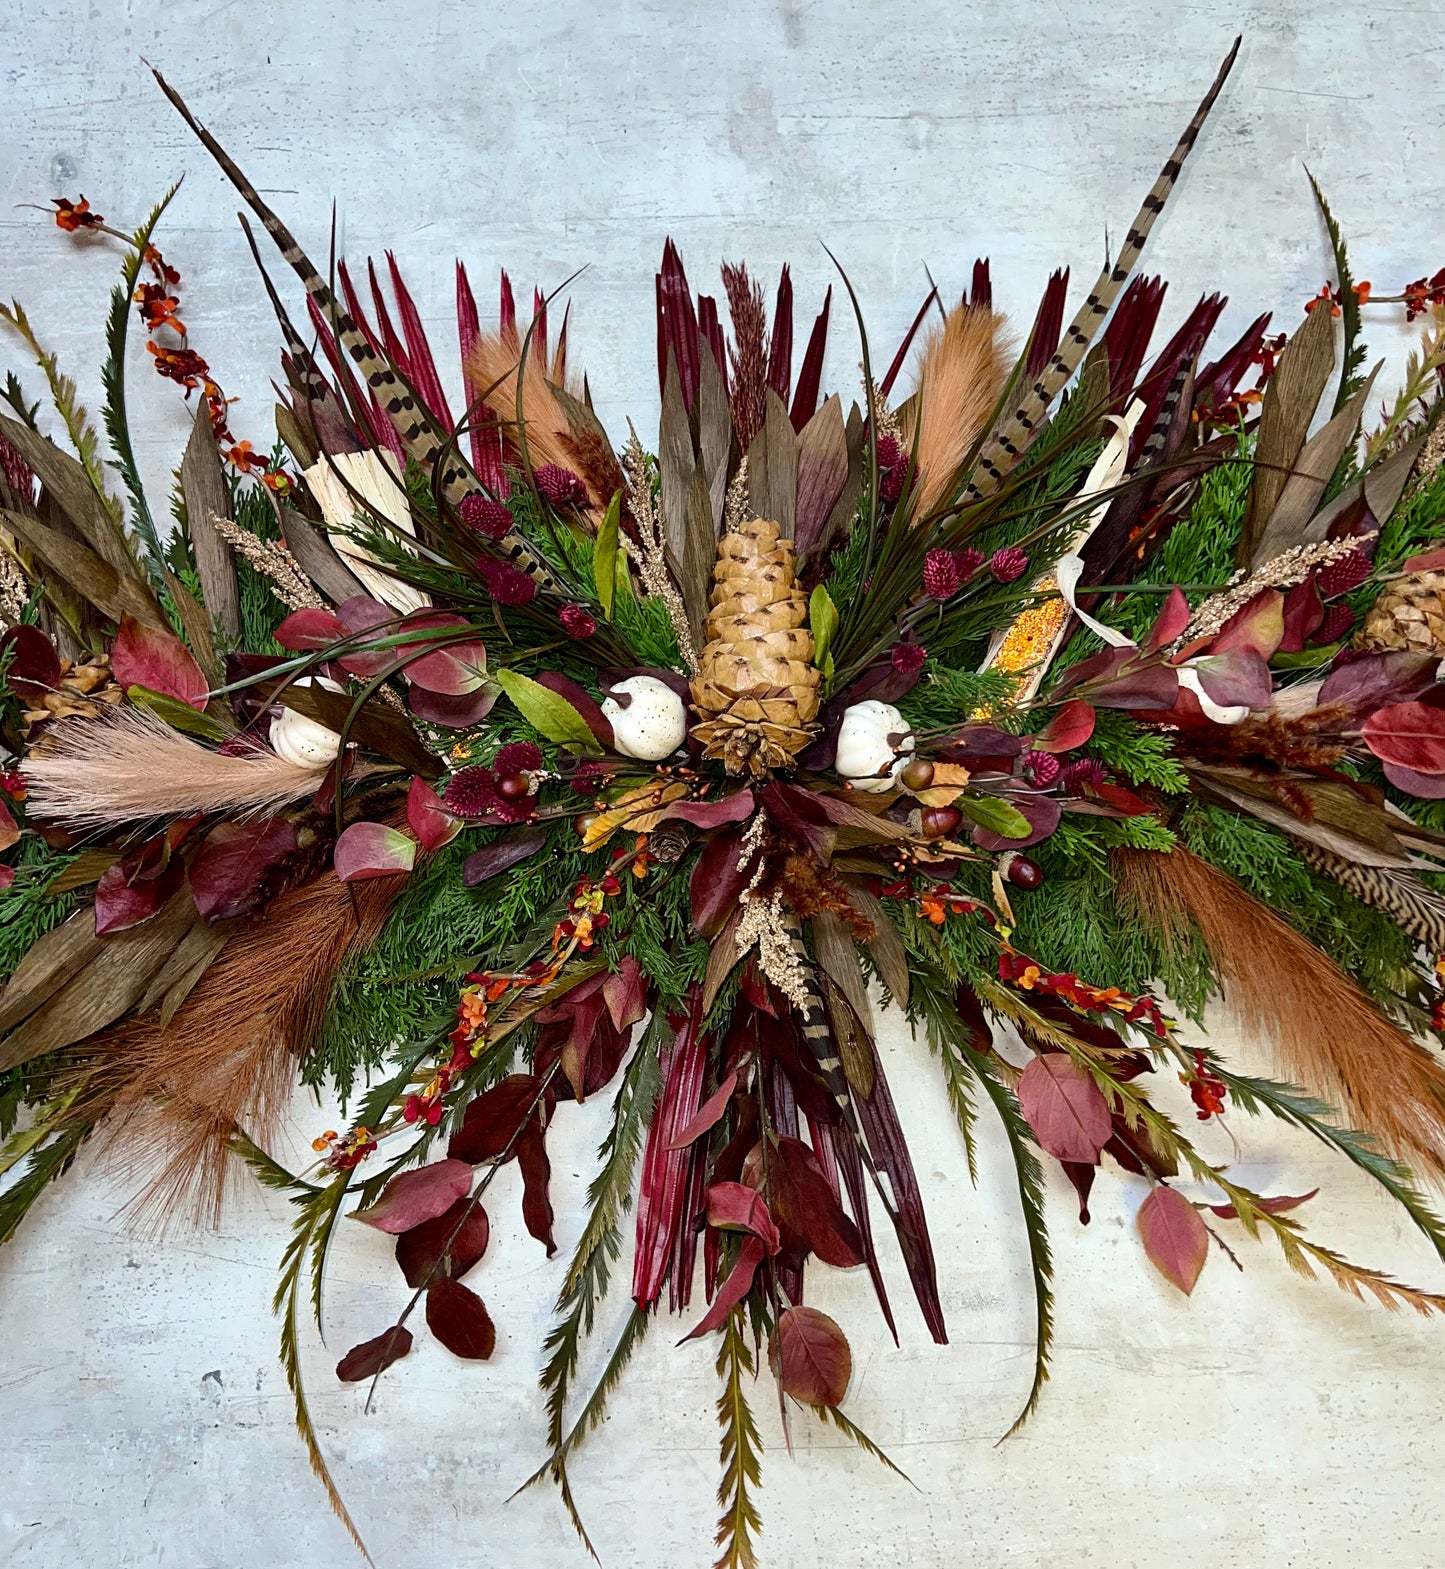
x: 353, y: 482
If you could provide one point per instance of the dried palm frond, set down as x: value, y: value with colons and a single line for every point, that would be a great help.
x: 128, y: 765
x: 1330, y: 1036
x: 960, y: 378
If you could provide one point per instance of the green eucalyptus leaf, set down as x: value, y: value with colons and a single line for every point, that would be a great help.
x: 178, y: 715
x: 550, y: 715
x: 823, y: 621
x: 990, y: 812
x: 604, y: 555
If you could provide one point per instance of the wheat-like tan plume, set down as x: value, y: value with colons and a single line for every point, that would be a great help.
x: 960, y: 378
x: 128, y: 765
x: 1330, y: 1036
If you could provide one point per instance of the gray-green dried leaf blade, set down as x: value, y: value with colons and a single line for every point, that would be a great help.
x: 714, y: 433
x: 106, y: 989
x: 1382, y: 488
x: 57, y: 957
x: 840, y: 518
x: 773, y: 468
x: 111, y: 592
x: 203, y: 487
x: 822, y: 471
x: 68, y: 483
x: 1290, y: 401
x: 1318, y: 459
x: 193, y: 956
x: 313, y: 553
x: 197, y: 626
x: 837, y: 955
x: 885, y: 947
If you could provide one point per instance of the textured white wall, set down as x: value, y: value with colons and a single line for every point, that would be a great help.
x: 1268, y: 1421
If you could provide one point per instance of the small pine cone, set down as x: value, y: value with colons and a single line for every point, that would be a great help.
x: 756, y: 691
x: 1408, y: 615
x: 668, y: 842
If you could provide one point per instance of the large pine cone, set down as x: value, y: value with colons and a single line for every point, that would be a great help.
x: 756, y: 689
x: 1408, y: 615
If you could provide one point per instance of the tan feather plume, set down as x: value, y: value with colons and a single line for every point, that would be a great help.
x: 172, y: 1094
x: 128, y: 765
x: 492, y: 364
x: 960, y: 377
x: 1330, y: 1036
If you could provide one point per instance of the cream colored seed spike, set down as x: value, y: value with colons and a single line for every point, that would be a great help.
x: 756, y: 691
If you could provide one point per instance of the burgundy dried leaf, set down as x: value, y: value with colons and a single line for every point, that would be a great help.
x: 811, y: 1357
x: 731, y: 1206
x: 717, y: 883
x: 536, y: 1172
x: 1238, y: 676
x: 136, y: 887
x: 157, y: 660
x: 1070, y: 727
x: 1065, y: 1108
x: 1171, y: 621
x: 416, y: 1196
x: 733, y: 1289
x: 493, y: 1118
x: 625, y: 993
x: 9, y: 828
x: 34, y: 664
x: 1304, y: 613
x: 360, y: 614
x: 428, y: 819
x: 1378, y: 679
x: 372, y: 850
x: 1274, y: 1206
x: 424, y: 1249
x: 735, y: 808
x: 1081, y: 1174
x: 709, y: 1113
x: 1429, y: 787
x: 501, y: 855
x: 806, y: 1209
x: 452, y: 713
x: 1041, y: 812
x: 374, y: 1356
x: 1175, y: 1238
x: 451, y: 670
x: 1256, y: 627
x: 229, y: 870
x: 309, y: 629
x: 1409, y: 735
x: 457, y: 1316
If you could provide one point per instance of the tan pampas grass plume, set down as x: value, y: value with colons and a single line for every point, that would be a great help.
x: 1331, y: 1038
x: 128, y: 765
x: 960, y: 377
x: 172, y: 1094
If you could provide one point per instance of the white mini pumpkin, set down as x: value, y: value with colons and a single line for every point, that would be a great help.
x: 865, y: 754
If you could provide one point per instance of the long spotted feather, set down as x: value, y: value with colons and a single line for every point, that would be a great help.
x: 1004, y: 448
x: 425, y: 442
x: 1411, y: 905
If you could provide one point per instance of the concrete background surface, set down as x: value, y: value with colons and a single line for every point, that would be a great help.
x: 1269, y: 1421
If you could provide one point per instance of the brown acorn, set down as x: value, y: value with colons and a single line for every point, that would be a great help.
x: 756, y: 691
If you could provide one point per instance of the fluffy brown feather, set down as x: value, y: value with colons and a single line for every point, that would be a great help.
x: 171, y: 1095
x: 492, y: 365
x: 1330, y: 1036
x: 960, y: 376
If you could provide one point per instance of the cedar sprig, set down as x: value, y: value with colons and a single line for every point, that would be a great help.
x: 740, y: 1450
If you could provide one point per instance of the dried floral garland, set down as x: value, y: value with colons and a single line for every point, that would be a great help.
x: 483, y: 763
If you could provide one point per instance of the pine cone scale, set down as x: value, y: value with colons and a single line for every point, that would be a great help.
x: 756, y: 691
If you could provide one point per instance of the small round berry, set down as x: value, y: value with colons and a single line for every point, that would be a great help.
x: 1024, y: 873
x: 512, y: 787
x: 584, y: 822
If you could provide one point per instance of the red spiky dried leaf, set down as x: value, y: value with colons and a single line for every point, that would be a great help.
x: 431, y: 1248
x: 780, y: 340
x: 374, y: 1356
x: 34, y: 667
x: 458, y: 1317
x: 810, y: 376
x: 891, y: 375
x: 811, y: 1357
x: 1175, y: 1238
x: 423, y: 374
x: 1048, y: 324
